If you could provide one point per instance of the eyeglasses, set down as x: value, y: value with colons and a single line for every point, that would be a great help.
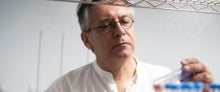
x: 109, y: 24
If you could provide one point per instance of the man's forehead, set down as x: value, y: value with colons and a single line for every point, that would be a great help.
x: 108, y: 16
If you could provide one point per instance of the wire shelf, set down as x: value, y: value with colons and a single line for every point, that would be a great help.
x: 201, y: 6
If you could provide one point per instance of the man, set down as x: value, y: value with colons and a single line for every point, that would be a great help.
x: 109, y: 32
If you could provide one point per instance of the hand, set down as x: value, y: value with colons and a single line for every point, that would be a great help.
x: 199, y: 70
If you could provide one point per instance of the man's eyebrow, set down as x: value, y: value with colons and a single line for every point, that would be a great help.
x: 105, y: 20
x: 111, y: 19
x: 127, y: 15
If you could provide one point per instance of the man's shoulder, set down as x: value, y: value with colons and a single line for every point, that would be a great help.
x: 71, y: 80
x: 83, y: 70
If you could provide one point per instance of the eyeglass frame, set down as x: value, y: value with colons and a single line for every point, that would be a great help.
x: 113, y: 25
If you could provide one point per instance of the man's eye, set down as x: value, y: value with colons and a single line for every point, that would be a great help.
x: 125, y: 23
x: 104, y: 25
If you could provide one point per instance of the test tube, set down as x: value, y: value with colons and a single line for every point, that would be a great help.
x: 175, y: 76
x: 183, y: 87
x: 171, y: 87
x: 198, y: 87
x: 186, y: 87
x: 214, y: 87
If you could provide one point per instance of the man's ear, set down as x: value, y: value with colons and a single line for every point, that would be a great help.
x: 85, y: 39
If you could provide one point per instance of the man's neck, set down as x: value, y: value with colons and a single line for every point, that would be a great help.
x: 123, y: 71
x: 119, y: 66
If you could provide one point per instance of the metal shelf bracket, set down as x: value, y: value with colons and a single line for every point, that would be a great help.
x: 201, y: 6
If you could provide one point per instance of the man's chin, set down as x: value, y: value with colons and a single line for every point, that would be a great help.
x: 123, y: 55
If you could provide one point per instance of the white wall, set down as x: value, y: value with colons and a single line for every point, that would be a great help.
x: 163, y: 37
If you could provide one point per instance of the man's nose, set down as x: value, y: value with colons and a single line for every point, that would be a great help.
x: 119, y: 30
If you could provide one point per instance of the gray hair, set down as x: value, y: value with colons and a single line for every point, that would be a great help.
x: 83, y: 15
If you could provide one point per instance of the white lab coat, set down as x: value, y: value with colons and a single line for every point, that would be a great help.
x: 91, y: 78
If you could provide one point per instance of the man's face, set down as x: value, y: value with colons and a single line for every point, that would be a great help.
x: 111, y: 42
